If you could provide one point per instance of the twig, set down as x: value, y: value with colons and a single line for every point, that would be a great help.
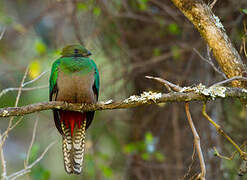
x: 202, y: 175
x: 243, y: 166
x: 212, y: 4
x: 9, y: 126
x: 12, y: 127
x: 230, y: 80
x: 2, y: 33
x: 3, y: 162
x: 16, y: 103
x: 224, y: 157
x: 167, y: 9
x: 208, y: 54
x: 192, y: 162
x: 31, y: 143
x: 220, y: 130
x: 3, y: 138
x: 243, y: 46
x: 153, y: 60
x: 25, y: 84
x: 29, y: 167
x: 210, y: 62
x: 23, y: 89
x: 20, y: 89
x: 166, y: 83
x: 37, y: 78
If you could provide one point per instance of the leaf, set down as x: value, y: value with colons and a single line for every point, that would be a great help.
x: 90, y: 164
x: 6, y: 20
x: 159, y: 156
x: 81, y: 6
x: 175, y: 52
x: 107, y: 171
x: 143, y: 5
x: 34, y: 152
x: 149, y: 138
x: 174, y: 29
x: 19, y: 27
x: 104, y: 156
x: 96, y: 11
x: 156, y: 52
x: 141, y: 146
x: 40, y: 47
x: 40, y: 173
x: 145, y: 156
x: 34, y: 69
x: 130, y: 148
x: 244, y: 11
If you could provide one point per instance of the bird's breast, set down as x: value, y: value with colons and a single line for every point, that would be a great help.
x: 76, y: 88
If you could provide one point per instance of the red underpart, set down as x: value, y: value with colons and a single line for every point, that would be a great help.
x: 71, y: 118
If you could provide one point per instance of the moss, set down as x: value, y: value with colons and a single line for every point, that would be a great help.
x: 197, y: 22
x: 188, y: 5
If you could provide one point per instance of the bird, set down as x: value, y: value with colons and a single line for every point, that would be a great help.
x: 74, y: 79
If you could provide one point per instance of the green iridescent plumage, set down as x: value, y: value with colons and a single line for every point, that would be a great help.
x: 68, y: 54
x: 82, y: 65
x: 74, y: 79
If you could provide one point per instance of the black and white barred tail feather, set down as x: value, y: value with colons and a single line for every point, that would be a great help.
x: 73, y: 149
x: 79, y: 148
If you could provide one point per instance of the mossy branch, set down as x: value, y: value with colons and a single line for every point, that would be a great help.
x: 188, y: 94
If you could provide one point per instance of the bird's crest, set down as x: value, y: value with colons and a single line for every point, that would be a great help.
x: 75, y: 50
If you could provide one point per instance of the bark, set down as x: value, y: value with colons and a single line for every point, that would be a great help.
x: 212, y: 30
x: 127, y: 103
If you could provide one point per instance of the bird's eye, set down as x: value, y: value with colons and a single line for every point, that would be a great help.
x: 76, y: 51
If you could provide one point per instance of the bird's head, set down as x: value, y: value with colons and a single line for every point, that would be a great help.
x: 75, y: 50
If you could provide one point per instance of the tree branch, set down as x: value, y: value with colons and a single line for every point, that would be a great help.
x: 210, y: 62
x: 197, y: 144
x: 29, y: 167
x: 26, y: 161
x: 3, y: 162
x: 2, y: 33
x: 220, y: 131
x: 214, y: 34
x: 189, y: 94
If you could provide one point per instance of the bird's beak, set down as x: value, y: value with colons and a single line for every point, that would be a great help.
x: 89, y: 53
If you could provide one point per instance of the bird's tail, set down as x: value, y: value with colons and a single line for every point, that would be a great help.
x: 74, y: 147
x: 79, y: 148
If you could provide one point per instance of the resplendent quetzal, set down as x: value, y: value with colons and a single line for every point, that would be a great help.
x: 74, y: 79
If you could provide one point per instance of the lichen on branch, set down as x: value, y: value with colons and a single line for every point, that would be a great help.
x: 190, y: 94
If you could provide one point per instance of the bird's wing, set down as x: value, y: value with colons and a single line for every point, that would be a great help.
x: 90, y: 114
x: 53, y: 91
x: 96, y: 82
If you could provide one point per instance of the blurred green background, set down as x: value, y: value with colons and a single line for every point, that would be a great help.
x: 129, y: 39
